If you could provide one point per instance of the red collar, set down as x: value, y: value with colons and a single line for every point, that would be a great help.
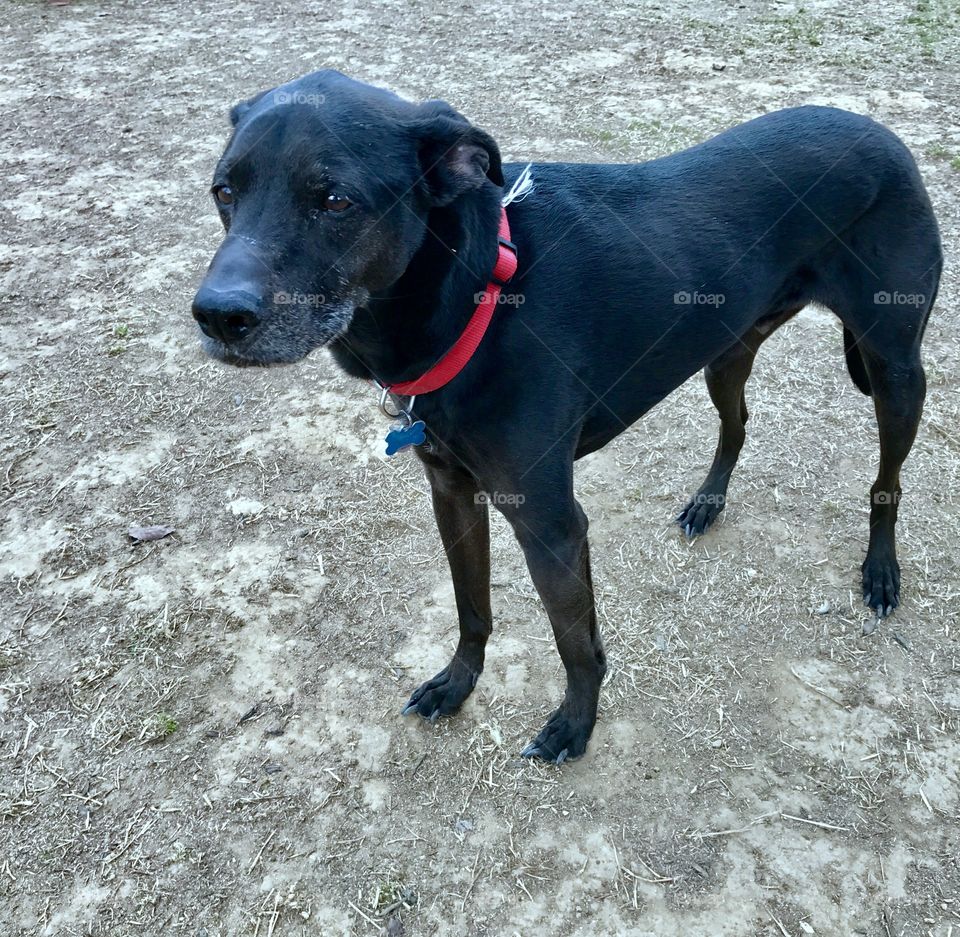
x: 454, y: 361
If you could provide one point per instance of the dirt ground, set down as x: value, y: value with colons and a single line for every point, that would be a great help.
x: 201, y: 735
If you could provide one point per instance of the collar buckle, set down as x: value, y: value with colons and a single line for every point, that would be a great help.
x: 506, y: 265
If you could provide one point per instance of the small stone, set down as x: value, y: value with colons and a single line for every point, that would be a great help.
x: 245, y: 507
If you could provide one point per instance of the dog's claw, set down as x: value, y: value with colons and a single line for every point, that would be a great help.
x: 409, y: 708
x: 531, y: 751
x: 562, y: 757
x: 434, y: 716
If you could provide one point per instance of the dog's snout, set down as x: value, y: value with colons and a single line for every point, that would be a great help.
x: 227, y: 316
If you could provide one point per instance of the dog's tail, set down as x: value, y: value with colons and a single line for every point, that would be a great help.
x: 855, y: 365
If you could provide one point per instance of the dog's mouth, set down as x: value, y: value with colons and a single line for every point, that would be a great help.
x: 282, y: 338
x: 227, y: 354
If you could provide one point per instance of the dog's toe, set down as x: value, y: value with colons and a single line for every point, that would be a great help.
x: 881, y: 585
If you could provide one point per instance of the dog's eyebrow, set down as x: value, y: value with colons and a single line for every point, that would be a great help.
x: 235, y: 169
x: 319, y: 177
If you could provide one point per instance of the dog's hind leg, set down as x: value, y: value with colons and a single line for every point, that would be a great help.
x: 886, y: 313
x: 899, y: 388
x: 726, y: 377
x: 882, y: 286
x: 462, y: 517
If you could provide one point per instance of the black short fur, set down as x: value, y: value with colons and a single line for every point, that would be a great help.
x: 632, y: 278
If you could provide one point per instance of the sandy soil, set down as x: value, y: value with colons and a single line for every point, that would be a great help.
x: 202, y: 735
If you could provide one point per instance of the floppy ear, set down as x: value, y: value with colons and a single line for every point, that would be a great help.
x: 455, y: 156
x: 238, y: 111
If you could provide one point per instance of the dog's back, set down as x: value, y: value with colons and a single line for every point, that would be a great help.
x: 769, y: 216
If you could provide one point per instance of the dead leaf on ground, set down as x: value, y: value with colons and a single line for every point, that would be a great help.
x: 145, y: 534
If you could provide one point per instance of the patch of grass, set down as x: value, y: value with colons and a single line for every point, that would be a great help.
x: 797, y: 29
x: 650, y: 127
x: 661, y: 138
x: 871, y: 31
x: 162, y: 726
x: 654, y: 136
x: 849, y: 60
x: 940, y: 153
x: 121, y: 331
x: 390, y: 894
x: 932, y: 21
x: 692, y: 23
x: 832, y: 509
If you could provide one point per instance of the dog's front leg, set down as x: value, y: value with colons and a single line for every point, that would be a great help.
x: 464, y: 529
x: 552, y: 530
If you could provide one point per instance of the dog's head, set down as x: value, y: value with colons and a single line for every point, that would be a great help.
x: 324, y: 191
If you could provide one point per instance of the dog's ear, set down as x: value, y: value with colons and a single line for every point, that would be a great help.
x: 455, y: 156
x: 238, y: 111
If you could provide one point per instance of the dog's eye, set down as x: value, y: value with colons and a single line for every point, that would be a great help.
x: 336, y: 203
x: 223, y: 194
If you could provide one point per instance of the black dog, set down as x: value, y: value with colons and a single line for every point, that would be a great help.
x: 361, y: 221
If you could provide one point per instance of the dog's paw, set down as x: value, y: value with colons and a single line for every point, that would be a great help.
x: 700, y: 513
x: 444, y: 694
x: 561, y: 739
x: 881, y: 584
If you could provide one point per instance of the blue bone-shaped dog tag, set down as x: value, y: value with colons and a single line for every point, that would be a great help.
x: 402, y: 437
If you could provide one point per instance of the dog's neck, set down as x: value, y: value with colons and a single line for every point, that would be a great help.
x: 401, y: 332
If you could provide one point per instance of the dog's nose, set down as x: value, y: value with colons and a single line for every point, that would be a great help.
x: 225, y: 315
